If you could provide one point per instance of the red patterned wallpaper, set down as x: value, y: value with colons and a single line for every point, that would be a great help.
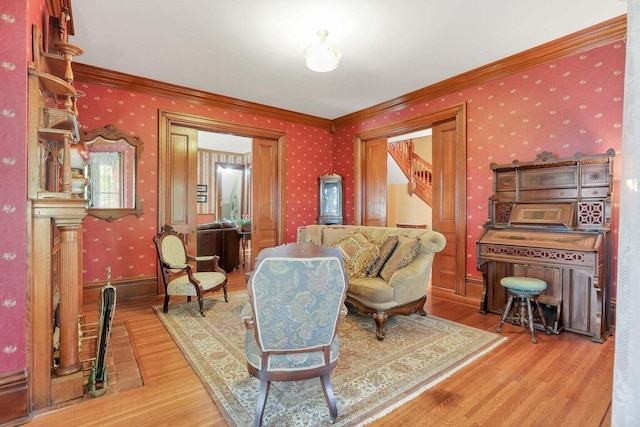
x: 126, y: 244
x: 16, y: 20
x: 568, y: 106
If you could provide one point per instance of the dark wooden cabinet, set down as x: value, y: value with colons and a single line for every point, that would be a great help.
x: 224, y: 242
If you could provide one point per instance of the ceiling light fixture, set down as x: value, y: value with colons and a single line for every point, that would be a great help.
x: 322, y: 57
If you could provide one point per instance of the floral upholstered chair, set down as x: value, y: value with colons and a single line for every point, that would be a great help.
x: 297, y: 294
x: 178, y: 275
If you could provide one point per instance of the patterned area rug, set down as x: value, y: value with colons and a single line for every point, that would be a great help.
x: 371, y: 379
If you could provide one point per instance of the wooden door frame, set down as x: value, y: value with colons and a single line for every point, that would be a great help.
x: 457, y: 112
x: 169, y: 119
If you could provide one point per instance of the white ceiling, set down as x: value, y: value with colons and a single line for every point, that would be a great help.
x: 253, y: 49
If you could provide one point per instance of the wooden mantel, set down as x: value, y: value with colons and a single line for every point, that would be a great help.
x: 55, y: 259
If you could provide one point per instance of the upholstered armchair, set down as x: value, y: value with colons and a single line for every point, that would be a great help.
x: 178, y: 275
x: 296, y: 302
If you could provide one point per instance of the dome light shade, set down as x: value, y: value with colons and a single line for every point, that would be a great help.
x: 322, y: 57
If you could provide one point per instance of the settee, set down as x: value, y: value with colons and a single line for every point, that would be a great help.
x: 388, y: 268
x: 222, y: 239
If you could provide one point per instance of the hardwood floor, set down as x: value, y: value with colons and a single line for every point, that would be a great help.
x: 563, y: 380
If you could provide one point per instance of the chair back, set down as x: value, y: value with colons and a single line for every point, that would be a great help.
x: 297, y: 292
x: 171, y: 249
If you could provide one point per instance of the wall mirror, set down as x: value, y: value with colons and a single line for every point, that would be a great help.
x: 112, y: 172
x: 231, y: 191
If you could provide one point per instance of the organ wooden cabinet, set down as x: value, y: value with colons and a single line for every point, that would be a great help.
x: 551, y: 219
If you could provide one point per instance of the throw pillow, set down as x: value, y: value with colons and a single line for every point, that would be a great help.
x: 365, y: 259
x: 405, y: 251
x: 386, y: 249
x: 358, y: 253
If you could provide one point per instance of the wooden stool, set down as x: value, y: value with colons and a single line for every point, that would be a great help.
x: 525, y: 289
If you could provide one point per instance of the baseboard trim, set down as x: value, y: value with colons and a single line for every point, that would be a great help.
x: 460, y: 299
x: 14, y: 398
x: 125, y: 288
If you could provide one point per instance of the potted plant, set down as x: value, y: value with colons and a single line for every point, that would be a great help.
x: 245, y: 223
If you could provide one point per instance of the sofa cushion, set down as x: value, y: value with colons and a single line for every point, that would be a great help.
x: 386, y: 249
x: 370, y: 289
x: 358, y: 253
x: 404, y: 252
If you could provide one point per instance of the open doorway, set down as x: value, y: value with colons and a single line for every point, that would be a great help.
x: 224, y: 197
x: 178, y: 177
x: 409, y: 180
x: 449, y: 189
x: 224, y: 178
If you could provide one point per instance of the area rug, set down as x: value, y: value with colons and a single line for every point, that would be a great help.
x: 371, y: 379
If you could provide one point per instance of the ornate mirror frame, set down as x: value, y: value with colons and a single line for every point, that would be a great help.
x: 107, y: 134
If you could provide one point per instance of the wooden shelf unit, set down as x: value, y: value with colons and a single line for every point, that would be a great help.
x: 54, y: 236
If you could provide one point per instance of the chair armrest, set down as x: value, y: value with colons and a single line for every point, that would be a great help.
x: 204, y: 258
x: 343, y: 313
x: 248, y: 323
x: 247, y: 316
x: 177, y: 266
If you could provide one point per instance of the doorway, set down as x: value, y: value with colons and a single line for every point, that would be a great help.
x: 224, y: 177
x: 409, y: 202
x: 449, y: 213
x: 177, y: 177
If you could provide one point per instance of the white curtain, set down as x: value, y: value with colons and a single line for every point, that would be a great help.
x: 626, y: 373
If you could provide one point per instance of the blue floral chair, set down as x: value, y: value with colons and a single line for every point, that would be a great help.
x: 296, y: 302
x: 178, y: 275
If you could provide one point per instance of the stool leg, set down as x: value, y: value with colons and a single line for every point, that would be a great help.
x: 506, y: 312
x: 542, y: 318
x: 531, y: 325
x: 522, y: 318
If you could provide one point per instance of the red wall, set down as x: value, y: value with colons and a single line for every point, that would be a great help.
x: 568, y: 106
x: 126, y: 244
x: 16, y: 53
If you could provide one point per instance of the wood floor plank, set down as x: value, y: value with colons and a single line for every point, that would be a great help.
x: 563, y: 380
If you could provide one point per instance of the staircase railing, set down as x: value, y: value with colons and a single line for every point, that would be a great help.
x: 418, y: 171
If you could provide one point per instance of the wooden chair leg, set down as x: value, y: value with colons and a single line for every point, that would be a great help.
x: 165, y: 307
x: 262, y: 400
x: 201, y: 304
x: 328, y: 395
x: 224, y: 289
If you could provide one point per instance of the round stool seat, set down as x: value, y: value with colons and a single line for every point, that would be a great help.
x: 523, y: 284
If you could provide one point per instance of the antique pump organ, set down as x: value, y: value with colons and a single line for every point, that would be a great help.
x: 551, y: 219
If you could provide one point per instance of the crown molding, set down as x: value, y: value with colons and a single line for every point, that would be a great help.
x: 590, y: 38
x: 91, y: 74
